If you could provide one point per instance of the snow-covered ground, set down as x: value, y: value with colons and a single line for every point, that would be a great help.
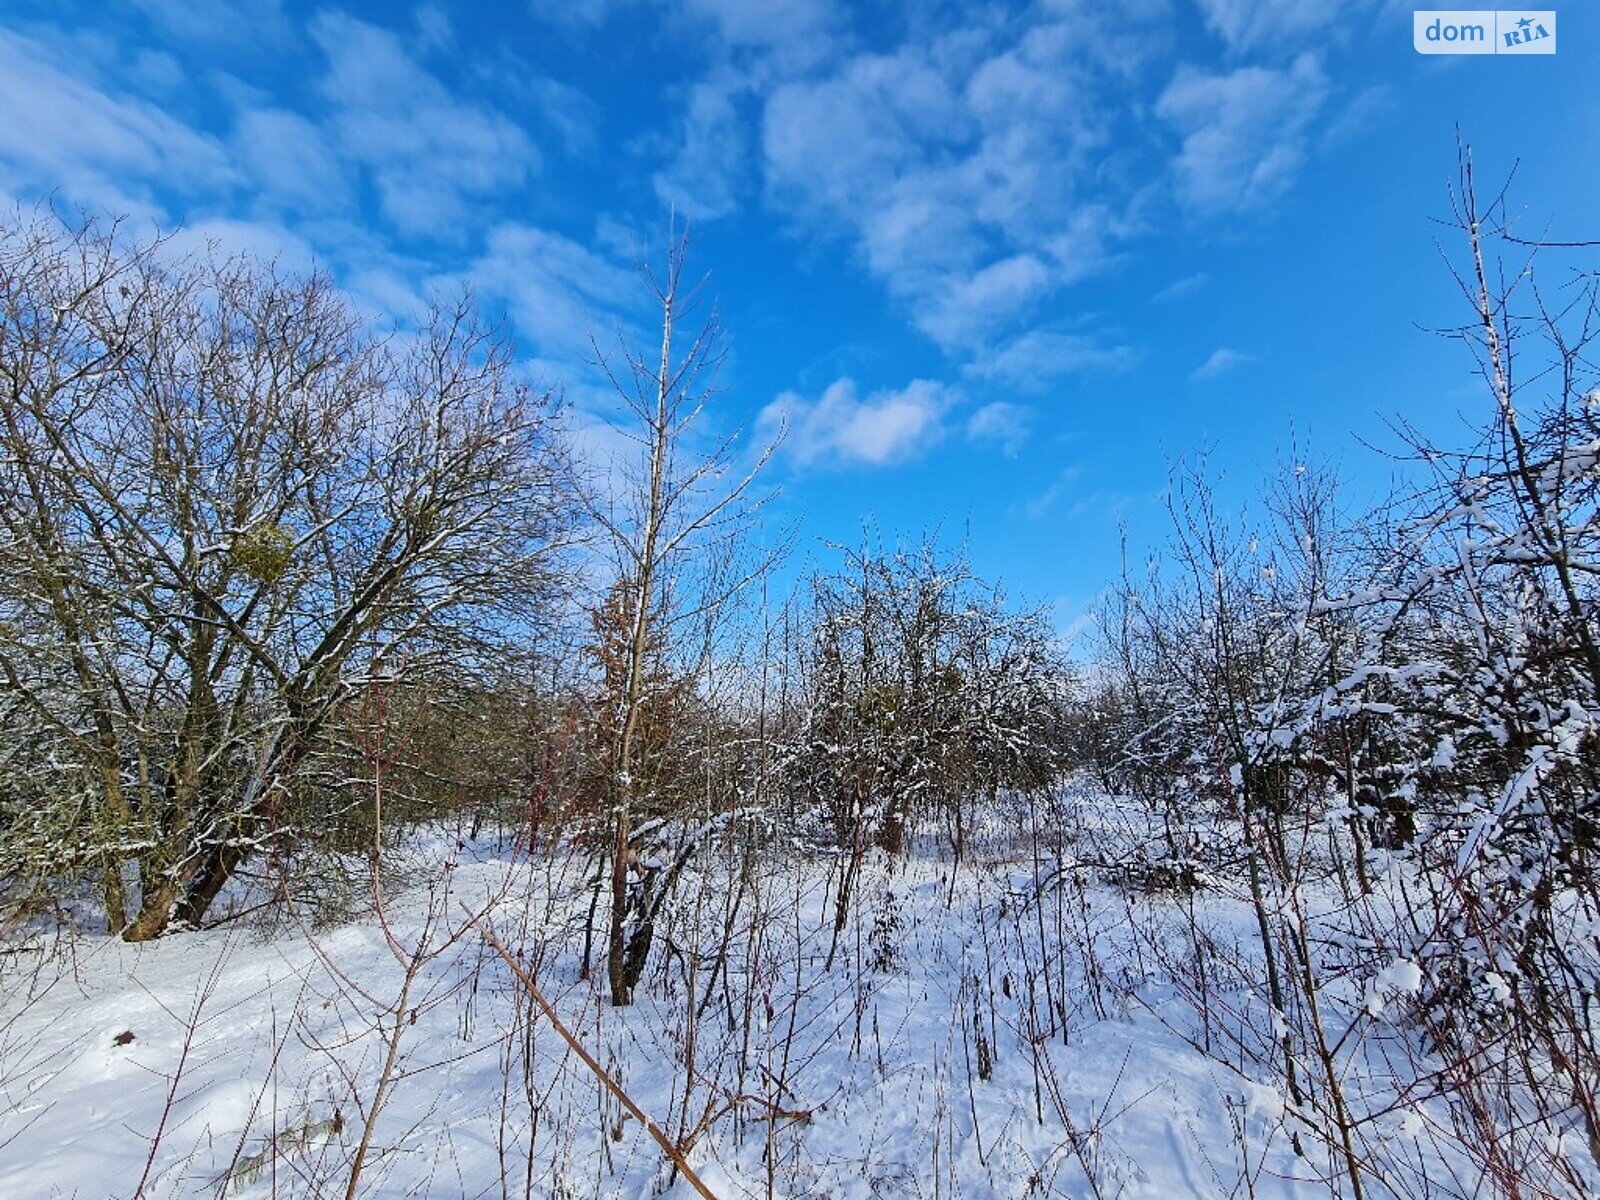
x: 986, y: 1037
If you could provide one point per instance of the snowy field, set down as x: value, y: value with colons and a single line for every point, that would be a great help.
x: 1023, y: 1025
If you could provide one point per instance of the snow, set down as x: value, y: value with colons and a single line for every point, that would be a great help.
x: 1499, y: 989
x: 256, y: 1053
x: 1401, y: 976
x: 1263, y: 1101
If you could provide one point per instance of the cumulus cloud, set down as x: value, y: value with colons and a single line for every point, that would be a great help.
x: 1244, y: 132
x: 969, y: 169
x: 979, y: 167
x: 1001, y: 423
x: 842, y: 427
x: 709, y: 169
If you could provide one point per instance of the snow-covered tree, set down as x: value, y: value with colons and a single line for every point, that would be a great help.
x: 228, y: 506
x: 922, y: 692
x: 677, y: 509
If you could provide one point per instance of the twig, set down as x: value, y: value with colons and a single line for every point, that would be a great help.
x: 600, y: 1072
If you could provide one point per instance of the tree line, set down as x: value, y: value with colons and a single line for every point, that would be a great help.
x: 277, y: 586
x: 1416, y: 687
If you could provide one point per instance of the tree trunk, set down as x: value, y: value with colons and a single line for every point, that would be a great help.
x: 639, y: 942
x: 617, y: 973
x: 217, y: 867
x: 154, y: 914
x: 111, y: 897
x: 892, y: 837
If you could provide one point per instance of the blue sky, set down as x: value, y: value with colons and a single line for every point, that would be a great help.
x: 996, y: 265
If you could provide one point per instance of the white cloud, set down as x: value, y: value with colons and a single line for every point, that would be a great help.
x: 569, y: 113
x: 969, y: 168
x: 704, y: 178
x: 428, y: 151
x: 1221, y: 362
x: 224, y: 22
x: 435, y: 31
x: 709, y: 166
x: 573, y: 15
x: 224, y: 237
x: 1039, y: 357
x: 1065, y: 482
x: 1262, y: 25
x: 291, y: 160
x: 785, y: 35
x: 156, y: 71
x: 1007, y: 425
x: 60, y: 133
x: 1244, y: 132
x: 972, y: 307
x: 842, y: 427
x: 980, y: 168
x: 1179, y: 289
x: 790, y: 34
x: 560, y: 294
x: 836, y: 143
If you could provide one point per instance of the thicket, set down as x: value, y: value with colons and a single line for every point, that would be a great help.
x: 275, y: 590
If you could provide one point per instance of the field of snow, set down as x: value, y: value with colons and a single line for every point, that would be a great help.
x: 1023, y: 1029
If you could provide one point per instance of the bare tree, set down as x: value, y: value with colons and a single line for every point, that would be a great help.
x: 228, y: 505
x: 678, y: 512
